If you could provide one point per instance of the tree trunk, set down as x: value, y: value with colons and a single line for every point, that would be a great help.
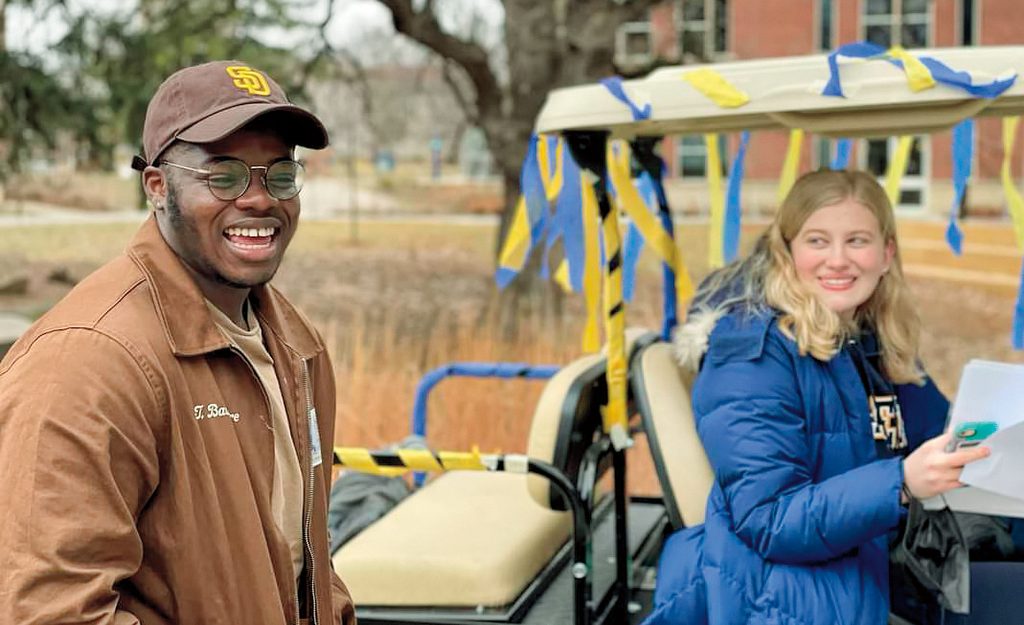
x: 3, y: 26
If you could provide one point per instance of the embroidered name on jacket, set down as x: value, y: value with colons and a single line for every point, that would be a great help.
x: 887, y: 421
x: 213, y: 411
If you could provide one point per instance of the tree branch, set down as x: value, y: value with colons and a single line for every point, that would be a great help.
x: 468, y: 110
x: 423, y: 27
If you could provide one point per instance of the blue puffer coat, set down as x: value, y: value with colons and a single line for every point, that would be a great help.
x: 796, y: 523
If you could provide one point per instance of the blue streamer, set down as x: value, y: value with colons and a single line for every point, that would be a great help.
x: 1018, y: 314
x: 963, y: 153
x: 630, y: 254
x: 842, y: 158
x: 858, y: 50
x: 733, y: 211
x: 941, y: 72
x: 668, y: 277
x: 532, y: 187
x: 946, y: 75
x: 568, y: 220
x: 614, y: 86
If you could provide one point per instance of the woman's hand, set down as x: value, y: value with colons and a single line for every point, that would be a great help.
x: 931, y: 470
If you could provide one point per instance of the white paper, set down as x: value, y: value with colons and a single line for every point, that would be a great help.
x: 973, y: 499
x: 992, y: 391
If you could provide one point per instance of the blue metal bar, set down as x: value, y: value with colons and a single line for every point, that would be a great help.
x: 471, y: 370
x: 432, y: 378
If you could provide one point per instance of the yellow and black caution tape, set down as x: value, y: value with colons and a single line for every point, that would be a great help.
x: 615, y: 419
x: 393, y: 463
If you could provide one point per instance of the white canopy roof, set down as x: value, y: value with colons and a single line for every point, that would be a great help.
x: 786, y: 93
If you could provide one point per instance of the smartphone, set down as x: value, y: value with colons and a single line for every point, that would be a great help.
x: 971, y: 433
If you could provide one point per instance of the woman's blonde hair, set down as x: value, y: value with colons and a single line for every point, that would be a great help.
x: 767, y: 278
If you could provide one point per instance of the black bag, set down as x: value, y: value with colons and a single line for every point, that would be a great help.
x: 932, y: 559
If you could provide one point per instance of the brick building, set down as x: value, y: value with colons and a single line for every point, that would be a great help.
x: 694, y: 31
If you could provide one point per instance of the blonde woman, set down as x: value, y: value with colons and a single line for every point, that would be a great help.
x: 816, y: 417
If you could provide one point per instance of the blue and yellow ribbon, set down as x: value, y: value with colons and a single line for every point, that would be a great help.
x: 1015, y: 206
x: 733, y: 210
x: 791, y: 164
x: 897, y: 167
x: 842, y: 157
x: 922, y: 72
x: 591, y: 265
x: 716, y: 88
x: 716, y: 196
x: 646, y: 223
x: 963, y: 154
x: 529, y: 219
x: 614, y: 86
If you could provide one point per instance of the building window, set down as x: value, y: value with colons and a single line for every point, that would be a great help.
x: 633, y: 44
x: 905, y: 23
x: 703, y: 29
x: 968, y: 18
x: 822, y: 153
x: 693, y: 155
x: 914, y: 185
x: 825, y: 25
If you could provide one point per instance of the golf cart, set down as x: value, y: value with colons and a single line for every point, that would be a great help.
x: 529, y: 538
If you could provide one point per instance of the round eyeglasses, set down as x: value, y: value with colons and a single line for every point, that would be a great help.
x: 229, y: 179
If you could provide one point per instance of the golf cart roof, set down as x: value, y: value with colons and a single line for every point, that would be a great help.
x: 785, y: 93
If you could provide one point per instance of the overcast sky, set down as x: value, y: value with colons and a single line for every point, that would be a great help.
x: 352, y: 19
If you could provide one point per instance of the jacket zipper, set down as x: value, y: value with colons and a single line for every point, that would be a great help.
x: 307, y: 509
x: 266, y: 399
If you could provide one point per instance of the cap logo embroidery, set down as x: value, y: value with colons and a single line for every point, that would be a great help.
x: 247, y: 79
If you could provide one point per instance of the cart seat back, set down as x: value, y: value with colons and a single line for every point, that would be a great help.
x: 661, y: 390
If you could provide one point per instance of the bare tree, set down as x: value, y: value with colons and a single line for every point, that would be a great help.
x: 549, y: 43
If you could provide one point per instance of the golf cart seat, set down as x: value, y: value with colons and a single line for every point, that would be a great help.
x: 661, y: 390
x: 482, y: 541
x: 467, y: 538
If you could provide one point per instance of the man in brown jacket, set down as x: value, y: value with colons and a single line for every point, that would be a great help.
x: 165, y: 430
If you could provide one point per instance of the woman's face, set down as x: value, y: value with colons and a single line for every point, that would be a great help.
x: 840, y: 255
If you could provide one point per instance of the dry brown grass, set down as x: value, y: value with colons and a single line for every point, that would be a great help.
x: 410, y: 297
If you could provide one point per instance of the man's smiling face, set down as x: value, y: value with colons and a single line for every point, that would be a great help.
x: 228, y: 243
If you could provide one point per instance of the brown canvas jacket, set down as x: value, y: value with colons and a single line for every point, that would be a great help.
x: 137, y: 459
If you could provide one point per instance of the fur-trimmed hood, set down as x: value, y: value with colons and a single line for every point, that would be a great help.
x: 690, y: 340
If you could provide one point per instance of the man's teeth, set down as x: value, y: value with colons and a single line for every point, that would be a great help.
x: 251, y: 232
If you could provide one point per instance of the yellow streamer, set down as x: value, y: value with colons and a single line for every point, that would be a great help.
x: 591, y: 265
x: 462, y: 460
x: 419, y: 460
x: 517, y: 241
x: 360, y: 459
x: 716, y: 88
x: 791, y: 164
x: 614, y: 416
x: 562, y: 277
x: 552, y: 181
x: 918, y: 76
x: 897, y: 167
x: 716, y: 257
x: 1013, y: 198
x: 648, y: 224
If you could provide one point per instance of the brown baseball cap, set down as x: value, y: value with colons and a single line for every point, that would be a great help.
x: 205, y: 103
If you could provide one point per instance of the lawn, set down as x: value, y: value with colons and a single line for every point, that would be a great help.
x: 408, y: 297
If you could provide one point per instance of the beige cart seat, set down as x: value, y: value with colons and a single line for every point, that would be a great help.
x: 471, y: 539
x: 661, y: 390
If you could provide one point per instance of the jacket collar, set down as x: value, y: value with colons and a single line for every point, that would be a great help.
x: 181, y: 308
